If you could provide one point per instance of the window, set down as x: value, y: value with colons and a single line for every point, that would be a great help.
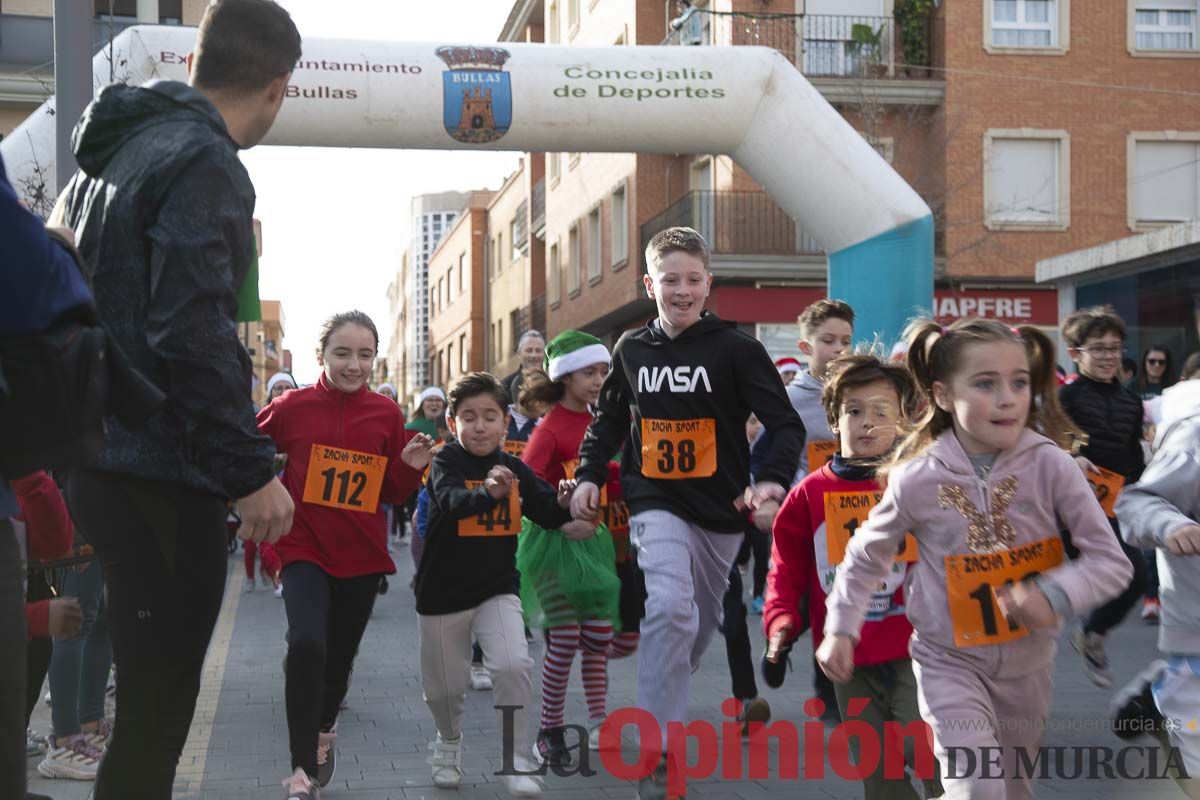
x: 593, y: 243
x: 499, y: 348
x: 432, y: 302
x: 514, y: 324
x: 572, y: 18
x: 1164, y: 24
x: 169, y: 11
x: 573, y: 258
x: 619, y: 221
x: 449, y: 363
x: 1027, y: 179
x: 449, y: 284
x: 514, y: 234
x: 1164, y: 178
x: 1026, y: 23
x: 555, y: 167
x: 553, y: 277
x: 499, y: 253
x: 462, y: 267
x: 441, y: 302
x: 552, y: 24
x: 463, y: 360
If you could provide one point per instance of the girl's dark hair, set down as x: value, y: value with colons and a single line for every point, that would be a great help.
x: 1168, y: 378
x: 539, y: 391
x: 346, y: 318
x: 936, y: 354
x: 474, y: 384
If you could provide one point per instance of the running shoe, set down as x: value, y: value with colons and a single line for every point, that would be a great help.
x: 756, y: 709
x: 1095, y: 661
x: 98, y: 738
x: 300, y: 787
x: 481, y: 679
x: 326, y: 756
x: 522, y: 785
x: 35, y: 743
x: 248, y: 586
x: 594, y: 725
x: 1134, y: 712
x: 383, y: 584
x: 446, y: 762
x: 774, y: 672
x: 756, y: 606
x: 551, y: 748
x: 654, y: 785
x: 74, y: 759
x: 279, y: 591
x: 1150, y: 611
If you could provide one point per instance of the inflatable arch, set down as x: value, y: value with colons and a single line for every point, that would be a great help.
x: 746, y: 102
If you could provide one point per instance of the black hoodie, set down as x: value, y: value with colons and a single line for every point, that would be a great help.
x: 711, y: 371
x: 162, y: 211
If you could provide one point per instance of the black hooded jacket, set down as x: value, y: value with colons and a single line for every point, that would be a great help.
x: 709, y: 371
x: 162, y: 211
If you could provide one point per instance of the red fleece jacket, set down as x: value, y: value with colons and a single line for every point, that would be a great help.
x: 344, y: 543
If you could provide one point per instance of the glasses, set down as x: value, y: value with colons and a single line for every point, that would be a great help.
x: 1158, y: 362
x: 1104, y: 352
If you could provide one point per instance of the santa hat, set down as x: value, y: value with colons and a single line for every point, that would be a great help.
x: 572, y: 350
x: 431, y: 391
x: 383, y: 386
x: 788, y: 364
x: 280, y: 377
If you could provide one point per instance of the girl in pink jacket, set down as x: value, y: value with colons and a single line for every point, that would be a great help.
x: 985, y: 495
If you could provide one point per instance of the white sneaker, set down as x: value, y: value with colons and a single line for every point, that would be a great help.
x: 75, y: 759
x: 446, y: 762
x: 278, y: 590
x: 594, y: 726
x: 523, y: 785
x: 1095, y: 661
x: 248, y: 586
x: 301, y: 787
x: 35, y: 743
x: 99, y: 737
x: 481, y: 679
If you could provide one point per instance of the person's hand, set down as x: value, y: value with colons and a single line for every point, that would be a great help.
x: 1185, y: 541
x: 58, y: 217
x: 62, y: 232
x: 266, y: 514
x: 499, y: 482
x: 585, y: 502
x: 1086, y: 466
x: 578, y: 530
x: 778, y: 635
x: 565, y: 490
x: 759, y: 494
x: 1026, y: 604
x: 764, y: 516
x: 418, y: 452
x: 65, y: 618
x: 836, y: 657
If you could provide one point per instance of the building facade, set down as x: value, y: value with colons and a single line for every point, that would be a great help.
x: 432, y: 215
x: 458, y: 284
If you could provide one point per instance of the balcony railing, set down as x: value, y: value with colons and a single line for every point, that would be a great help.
x: 736, y: 223
x: 820, y: 45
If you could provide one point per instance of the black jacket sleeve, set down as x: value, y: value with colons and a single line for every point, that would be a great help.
x: 758, y: 380
x: 197, y: 263
x: 539, y: 500
x: 448, y: 489
x: 610, y: 426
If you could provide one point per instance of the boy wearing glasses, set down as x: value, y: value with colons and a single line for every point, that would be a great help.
x: 1111, y: 416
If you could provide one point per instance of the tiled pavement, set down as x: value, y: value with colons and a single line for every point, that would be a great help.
x: 238, y: 746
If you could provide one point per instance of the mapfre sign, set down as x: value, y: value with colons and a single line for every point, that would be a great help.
x: 1030, y: 307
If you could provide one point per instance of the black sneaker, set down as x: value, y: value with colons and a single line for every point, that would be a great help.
x: 326, y: 756
x: 1134, y: 712
x: 383, y: 584
x: 774, y: 672
x: 552, y: 747
x: 654, y: 785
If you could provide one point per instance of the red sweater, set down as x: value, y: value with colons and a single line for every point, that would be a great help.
x: 48, y: 534
x: 800, y: 568
x: 344, y: 543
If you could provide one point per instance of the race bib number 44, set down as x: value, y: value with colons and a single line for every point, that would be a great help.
x: 502, y: 519
x: 972, y: 581
x: 678, y: 449
x: 845, y: 512
x: 345, y: 479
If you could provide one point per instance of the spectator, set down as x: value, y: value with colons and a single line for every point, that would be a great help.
x: 165, y: 202
x: 532, y: 348
x: 1157, y: 373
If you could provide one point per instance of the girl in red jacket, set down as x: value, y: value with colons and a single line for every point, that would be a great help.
x: 866, y: 399
x: 577, y: 610
x: 347, y: 451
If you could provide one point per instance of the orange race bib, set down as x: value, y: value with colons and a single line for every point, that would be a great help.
x: 845, y: 512
x: 514, y: 448
x: 502, y: 519
x: 569, y: 468
x: 1107, y: 486
x: 820, y: 454
x: 678, y: 449
x: 345, y: 479
x: 971, y: 583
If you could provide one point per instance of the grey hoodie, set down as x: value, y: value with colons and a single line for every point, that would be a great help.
x: 805, y: 393
x: 1165, y: 499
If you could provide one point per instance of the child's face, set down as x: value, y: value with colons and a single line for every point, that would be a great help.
x: 830, y: 339
x: 679, y: 288
x: 433, y: 407
x: 989, y: 396
x: 480, y: 424
x: 1099, y: 357
x: 348, y: 357
x: 388, y: 393
x: 278, y: 389
x: 868, y: 420
x: 584, y: 384
x: 753, y: 426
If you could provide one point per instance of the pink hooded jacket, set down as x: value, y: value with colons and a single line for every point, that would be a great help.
x: 1034, y: 490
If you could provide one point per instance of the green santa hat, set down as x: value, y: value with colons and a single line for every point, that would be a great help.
x: 572, y: 350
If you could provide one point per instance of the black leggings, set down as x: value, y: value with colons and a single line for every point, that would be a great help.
x: 12, y: 666
x: 326, y: 620
x: 759, y: 544
x: 1108, y: 616
x: 737, y: 640
x: 163, y: 550
x: 37, y: 657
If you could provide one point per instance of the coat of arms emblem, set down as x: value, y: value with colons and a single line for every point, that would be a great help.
x: 476, y: 93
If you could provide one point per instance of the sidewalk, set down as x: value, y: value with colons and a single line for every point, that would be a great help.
x: 238, y: 744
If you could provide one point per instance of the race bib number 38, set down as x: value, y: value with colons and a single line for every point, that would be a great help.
x: 345, y: 479
x: 678, y: 449
x: 503, y: 519
x: 972, y: 581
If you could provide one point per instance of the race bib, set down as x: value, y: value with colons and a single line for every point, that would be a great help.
x: 845, y: 512
x: 1107, y: 487
x: 502, y: 519
x: 820, y: 454
x: 345, y: 479
x: 514, y: 448
x: 569, y: 468
x: 971, y: 583
x: 678, y: 449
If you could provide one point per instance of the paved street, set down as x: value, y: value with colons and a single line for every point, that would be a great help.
x: 238, y: 745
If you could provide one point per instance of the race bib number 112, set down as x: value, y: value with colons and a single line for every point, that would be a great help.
x: 345, y: 479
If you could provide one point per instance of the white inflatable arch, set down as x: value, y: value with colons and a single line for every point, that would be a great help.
x: 746, y: 102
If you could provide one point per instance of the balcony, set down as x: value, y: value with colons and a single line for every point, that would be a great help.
x: 750, y: 234
x: 829, y: 49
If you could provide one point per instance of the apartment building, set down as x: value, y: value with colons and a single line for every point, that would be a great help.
x: 432, y: 215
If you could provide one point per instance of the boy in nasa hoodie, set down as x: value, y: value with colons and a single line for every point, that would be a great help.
x: 678, y: 396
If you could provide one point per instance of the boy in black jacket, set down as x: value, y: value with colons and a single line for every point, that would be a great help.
x: 1111, y: 416
x: 467, y: 583
x: 679, y: 394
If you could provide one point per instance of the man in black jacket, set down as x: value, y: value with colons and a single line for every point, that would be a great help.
x: 1111, y: 416
x: 163, y: 209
